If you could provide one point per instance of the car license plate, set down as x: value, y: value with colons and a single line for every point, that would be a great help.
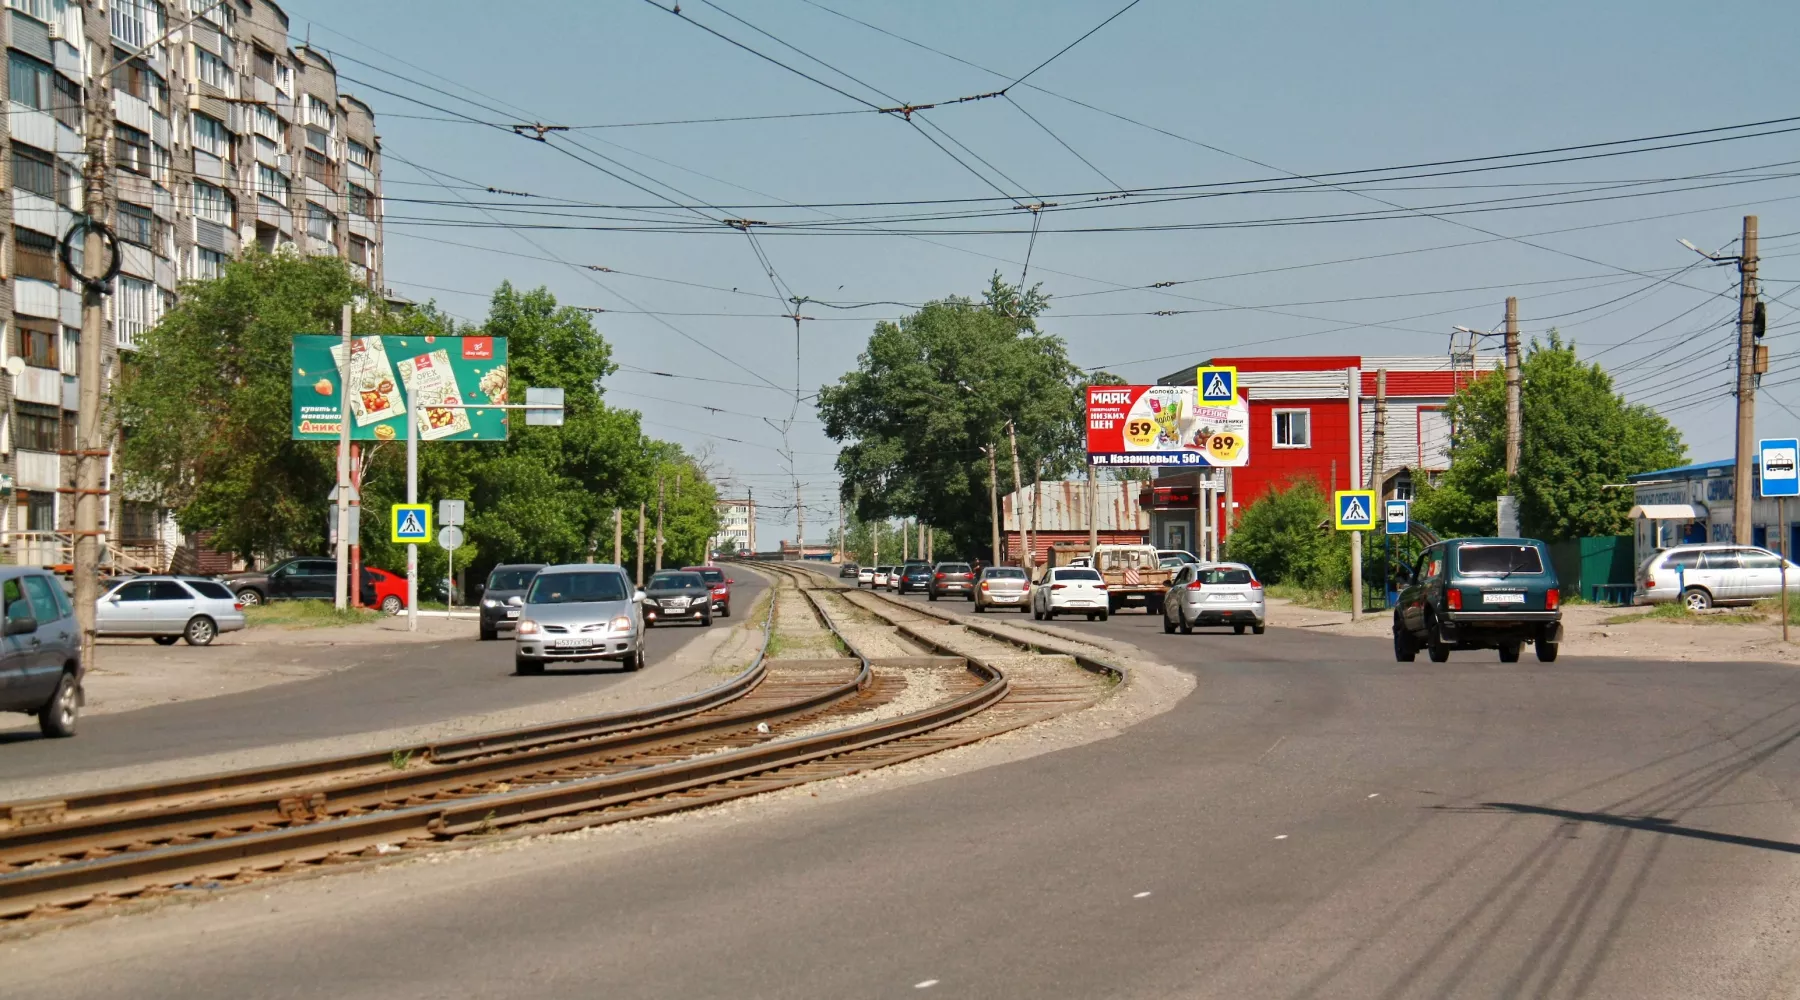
x: 512, y: 612
x: 574, y: 643
x: 1503, y: 598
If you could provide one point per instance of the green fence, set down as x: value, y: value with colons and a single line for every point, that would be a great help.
x: 1598, y: 569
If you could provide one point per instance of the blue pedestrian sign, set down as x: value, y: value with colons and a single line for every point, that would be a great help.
x: 1775, y: 461
x: 1218, y: 385
x: 1399, y: 517
x: 1354, y: 509
x: 411, y: 523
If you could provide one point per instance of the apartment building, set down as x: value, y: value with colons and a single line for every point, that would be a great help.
x: 223, y: 135
x: 737, y: 526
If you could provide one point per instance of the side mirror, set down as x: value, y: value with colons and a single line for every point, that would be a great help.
x: 21, y: 626
x: 638, y: 596
x: 115, y: 598
x: 729, y: 581
x: 516, y: 601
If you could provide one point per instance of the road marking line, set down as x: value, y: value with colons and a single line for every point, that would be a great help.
x: 1281, y: 836
x: 1140, y: 895
x: 1271, y: 749
x: 927, y: 984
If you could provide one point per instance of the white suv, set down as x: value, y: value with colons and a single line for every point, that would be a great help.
x: 1701, y: 576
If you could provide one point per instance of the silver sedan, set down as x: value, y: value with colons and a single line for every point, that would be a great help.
x: 167, y: 608
x: 580, y: 612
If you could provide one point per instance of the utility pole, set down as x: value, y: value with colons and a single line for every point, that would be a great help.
x: 659, y: 521
x: 800, y: 520
x: 618, y: 536
x: 840, y: 537
x: 993, y: 502
x: 923, y: 553
x: 1354, y: 379
x: 1514, y: 421
x: 1378, y: 460
x: 1225, y: 526
x: 1746, y: 387
x: 640, y: 546
x: 342, y: 591
x: 1093, y: 514
x: 1025, y: 553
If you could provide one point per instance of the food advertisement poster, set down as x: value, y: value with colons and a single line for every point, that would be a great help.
x: 383, y: 371
x: 1165, y: 425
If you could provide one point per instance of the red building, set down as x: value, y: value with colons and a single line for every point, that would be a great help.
x: 1314, y: 418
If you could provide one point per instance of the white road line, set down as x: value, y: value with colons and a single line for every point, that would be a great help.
x: 927, y: 984
x: 1140, y: 895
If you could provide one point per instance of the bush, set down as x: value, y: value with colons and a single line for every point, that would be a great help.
x: 1286, y: 536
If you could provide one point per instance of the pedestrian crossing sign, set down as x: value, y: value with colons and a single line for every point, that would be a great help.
x: 410, y: 523
x: 1355, y: 509
x: 1218, y: 385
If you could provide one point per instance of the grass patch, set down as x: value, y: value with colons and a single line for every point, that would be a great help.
x: 1326, y: 600
x: 1676, y: 611
x: 307, y: 614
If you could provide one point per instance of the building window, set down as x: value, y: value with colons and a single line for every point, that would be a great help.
x: 131, y: 148
x: 38, y: 430
x: 262, y: 63
x: 136, y: 22
x: 214, y: 204
x: 39, y: 9
x: 362, y: 201
x: 211, y: 136
x: 207, y: 264
x: 1293, y: 428
x: 38, y: 340
x: 34, y: 170
x: 136, y: 224
x: 318, y: 168
x: 270, y: 184
x: 40, y: 510
x: 136, y: 79
x: 359, y: 154
x: 139, y: 308
x: 71, y: 350
x: 34, y: 84
x: 137, y: 522
x: 266, y: 124
x: 214, y: 72
x: 34, y: 255
x: 320, y: 224
x: 316, y: 112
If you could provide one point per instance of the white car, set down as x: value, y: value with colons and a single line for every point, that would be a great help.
x: 1701, y: 576
x: 1215, y: 594
x: 865, y: 577
x: 167, y: 608
x: 882, y: 575
x: 1070, y: 590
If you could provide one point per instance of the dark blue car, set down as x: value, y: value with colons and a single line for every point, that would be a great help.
x: 915, y: 576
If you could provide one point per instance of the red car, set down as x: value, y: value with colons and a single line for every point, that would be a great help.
x: 390, y: 590
x: 720, y: 584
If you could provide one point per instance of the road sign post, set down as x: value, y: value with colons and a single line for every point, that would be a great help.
x: 1354, y: 510
x: 1779, y: 477
x: 450, y: 513
x: 449, y: 538
x: 1218, y: 385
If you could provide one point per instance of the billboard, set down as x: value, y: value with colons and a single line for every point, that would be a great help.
x: 1165, y: 425
x: 383, y: 370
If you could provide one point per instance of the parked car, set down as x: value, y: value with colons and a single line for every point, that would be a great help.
x: 167, y: 608
x: 952, y: 578
x: 503, y: 597
x: 298, y: 579
x: 1002, y: 587
x: 1701, y: 576
x: 914, y: 576
x: 880, y: 579
x: 1178, y: 555
x: 677, y: 595
x: 579, y: 612
x: 390, y: 590
x: 721, y: 587
x: 849, y: 571
x: 1069, y: 590
x: 865, y: 576
x: 1479, y: 593
x: 40, y: 652
x: 1214, y: 594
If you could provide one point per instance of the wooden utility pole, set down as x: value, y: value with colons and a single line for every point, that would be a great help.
x: 618, y: 536
x: 1514, y: 420
x: 1025, y: 559
x: 640, y: 546
x: 1378, y: 456
x: 1093, y: 512
x: 994, y: 502
x: 659, y: 522
x: 840, y: 535
x: 1746, y: 387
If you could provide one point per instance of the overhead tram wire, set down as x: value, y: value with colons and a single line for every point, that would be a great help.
x: 1059, y: 52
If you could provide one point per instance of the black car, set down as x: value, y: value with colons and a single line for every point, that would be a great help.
x: 503, y: 595
x: 915, y: 576
x: 1479, y: 593
x: 299, y: 579
x: 948, y: 578
x: 848, y: 571
x: 677, y: 595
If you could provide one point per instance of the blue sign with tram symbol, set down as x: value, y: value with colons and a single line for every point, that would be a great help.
x: 1775, y: 460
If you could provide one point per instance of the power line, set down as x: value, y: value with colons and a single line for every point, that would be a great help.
x: 1078, y: 41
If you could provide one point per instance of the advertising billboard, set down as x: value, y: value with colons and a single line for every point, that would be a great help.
x: 1165, y: 425
x: 383, y: 370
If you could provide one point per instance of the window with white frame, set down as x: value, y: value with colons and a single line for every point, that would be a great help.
x: 320, y: 224
x: 266, y: 124
x: 362, y: 201
x: 317, y: 113
x: 359, y: 154
x: 270, y: 184
x: 214, y: 204
x: 1293, y: 428
x: 215, y: 72
x: 211, y: 135
x: 136, y: 22
x: 284, y: 78
x: 138, y: 308
x: 207, y: 264
x: 39, y: 9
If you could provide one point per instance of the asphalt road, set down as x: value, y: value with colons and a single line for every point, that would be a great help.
x: 1314, y: 821
x: 388, y: 687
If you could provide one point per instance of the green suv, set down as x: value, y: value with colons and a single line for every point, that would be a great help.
x: 1479, y: 593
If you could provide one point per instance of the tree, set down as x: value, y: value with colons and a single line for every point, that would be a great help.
x: 1579, y: 436
x: 931, y: 392
x: 1286, y: 535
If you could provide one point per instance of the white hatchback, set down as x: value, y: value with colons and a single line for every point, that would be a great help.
x: 1070, y: 590
x: 865, y: 577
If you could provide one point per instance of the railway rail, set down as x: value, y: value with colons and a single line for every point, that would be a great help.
x: 781, y: 722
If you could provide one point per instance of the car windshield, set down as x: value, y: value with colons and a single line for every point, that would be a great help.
x: 917, y: 568
x: 207, y: 588
x: 510, y: 579
x: 712, y: 575
x: 578, y: 588
x: 1077, y: 574
x: 675, y: 581
x: 1498, y: 560
x: 1172, y: 562
x: 1004, y: 573
x: 1225, y: 575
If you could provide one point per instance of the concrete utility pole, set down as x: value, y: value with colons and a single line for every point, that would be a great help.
x: 342, y: 590
x: 1354, y: 379
x: 1025, y: 553
x: 1746, y: 387
x: 1514, y: 420
x: 640, y: 546
x: 618, y: 536
x: 1093, y: 512
x: 1225, y: 529
x: 659, y: 522
x: 994, y: 502
x: 840, y: 537
x: 800, y: 520
x: 1378, y: 461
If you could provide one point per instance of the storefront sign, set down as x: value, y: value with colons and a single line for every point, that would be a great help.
x: 1165, y: 425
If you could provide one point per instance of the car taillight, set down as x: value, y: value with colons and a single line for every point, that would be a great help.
x: 1101, y: 586
x: 1453, y: 597
x: 984, y: 585
x: 940, y: 576
x: 1059, y: 586
x: 1255, y: 584
x: 239, y: 606
x: 1551, y: 597
x: 1649, y: 581
x: 1196, y: 585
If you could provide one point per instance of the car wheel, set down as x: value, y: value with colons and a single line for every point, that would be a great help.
x: 971, y: 597
x: 250, y: 597
x: 1187, y: 627
x: 392, y: 605
x: 1237, y: 629
x: 526, y: 665
x: 1697, y: 599
x: 1546, y: 652
x: 1050, y: 614
x: 1258, y: 629
x: 636, y: 662
x: 931, y: 595
x: 1168, y: 626
x: 725, y: 610
x: 1103, y: 616
x: 1436, y: 649
x: 980, y: 609
x: 706, y: 620
x: 489, y: 634
x: 1035, y: 613
x: 200, y: 631
x: 1405, y: 648
x: 1153, y: 606
x: 166, y: 640
x: 58, y: 716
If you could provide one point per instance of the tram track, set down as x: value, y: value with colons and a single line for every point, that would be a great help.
x: 783, y: 721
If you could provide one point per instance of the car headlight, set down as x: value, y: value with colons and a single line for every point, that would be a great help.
x: 621, y: 623
x: 488, y: 602
x: 527, y: 627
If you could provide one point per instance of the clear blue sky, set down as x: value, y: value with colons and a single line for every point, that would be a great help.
x: 1274, y: 88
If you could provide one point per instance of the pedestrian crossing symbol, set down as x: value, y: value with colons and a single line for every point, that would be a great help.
x: 411, y: 523
x: 1217, y: 385
x: 1355, y: 509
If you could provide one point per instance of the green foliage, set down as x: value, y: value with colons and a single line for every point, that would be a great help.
x: 860, y: 542
x: 1286, y: 536
x: 1578, y: 436
x: 932, y: 391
